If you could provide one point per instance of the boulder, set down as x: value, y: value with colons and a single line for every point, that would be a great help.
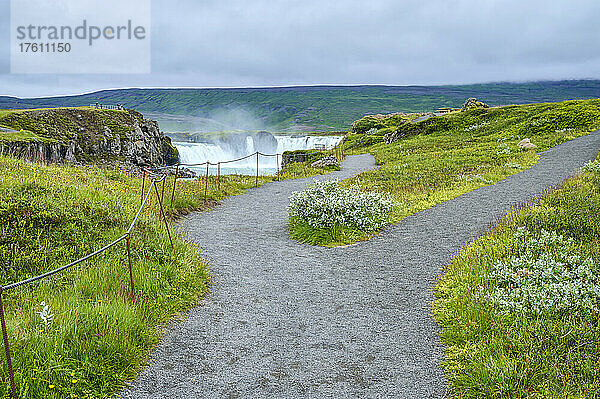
x: 472, y: 103
x: 323, y: 162
x: 526, y: 144
x: 291, y: 157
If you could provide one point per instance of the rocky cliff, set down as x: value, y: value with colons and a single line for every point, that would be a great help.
x: 78, y: 136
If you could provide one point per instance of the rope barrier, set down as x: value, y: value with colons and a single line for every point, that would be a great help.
x: 153, y: 186
x: 155, y: 178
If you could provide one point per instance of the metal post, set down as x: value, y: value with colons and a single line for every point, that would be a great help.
x: 130, y: 270
x: 199, y: 181
x: 163, y: 215
x: 174, y: 181
x: 7, y: 349
x: 162, y: 193
x: 206, y: 183
x: 219, y: 175
x: 143, y: 187
x: 277, y: 165
x: 256, y: 181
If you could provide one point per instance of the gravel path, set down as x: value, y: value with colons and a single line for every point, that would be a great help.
x: 289, y: 320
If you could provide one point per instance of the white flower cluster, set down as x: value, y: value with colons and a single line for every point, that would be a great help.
x: 476, y: 127
x: 477, y: 177
x: 540, y: 122
x: 503, y: 149
x: 514, y: 165
x: 546, y: 276
x: 46, y: 315
x: 325, y: 204
x: 591, y: 166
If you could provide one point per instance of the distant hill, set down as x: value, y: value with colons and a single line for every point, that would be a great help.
x: 305, y: 107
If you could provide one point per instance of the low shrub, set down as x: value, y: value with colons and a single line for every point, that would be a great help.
x: 546, y: 275
x: 327, y: 206
x: 519, y: 307
x: 591, y: 166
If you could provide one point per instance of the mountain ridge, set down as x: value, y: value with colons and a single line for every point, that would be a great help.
x: 293, y: 108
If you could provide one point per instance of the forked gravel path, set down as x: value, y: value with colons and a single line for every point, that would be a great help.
x: 290, y: 320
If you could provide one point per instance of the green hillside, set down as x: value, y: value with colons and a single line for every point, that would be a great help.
x: 424, y: 163
x: 306, y: 108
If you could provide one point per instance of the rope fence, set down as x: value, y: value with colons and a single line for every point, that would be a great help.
x: 337, y: 151
x: 156, y: 178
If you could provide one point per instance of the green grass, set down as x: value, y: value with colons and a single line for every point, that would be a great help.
x: 447, y: 156
x: 50, y: 216
x: 495, y: 355
x: 23, y: 135
x: 337, y: 236
x: 84, y: 124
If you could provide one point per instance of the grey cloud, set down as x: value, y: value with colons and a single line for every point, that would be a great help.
x: 239, y: 43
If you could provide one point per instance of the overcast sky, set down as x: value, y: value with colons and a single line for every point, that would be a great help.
x: 228, y: 43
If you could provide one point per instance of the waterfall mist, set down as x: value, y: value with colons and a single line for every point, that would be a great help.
x: 225, y: 147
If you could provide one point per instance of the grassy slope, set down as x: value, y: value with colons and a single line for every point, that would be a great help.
x: 499, y: 356
x: 64, y: 123
x: 50, y: 216
x: 459, y: 152
x: 323, y: 107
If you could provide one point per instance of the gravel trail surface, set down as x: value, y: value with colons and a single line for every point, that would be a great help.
x: 287, y: 320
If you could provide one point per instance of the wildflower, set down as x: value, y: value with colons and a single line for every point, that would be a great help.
x: 545, y: 275
x: 45, y: 315
x: 591, y: 166
x: 325, y: 205
x: 51, y: 386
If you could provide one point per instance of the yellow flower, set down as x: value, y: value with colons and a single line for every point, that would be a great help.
x: 73, y: 380
x: 51, y: 386
x: 72, y: 374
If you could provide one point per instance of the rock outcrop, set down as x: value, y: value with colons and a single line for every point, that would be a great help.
x: 324, y: 162
x: 405, y: 130
x: 526, y: 144
x: 472, y: 103
x: 44, y: 152
x: 79, y: 136
x: 290, y: 157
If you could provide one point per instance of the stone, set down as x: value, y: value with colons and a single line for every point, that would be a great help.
x: 472, y: 103
x: 526, y: 144
x: 323, y: 162
x: 289, y: 158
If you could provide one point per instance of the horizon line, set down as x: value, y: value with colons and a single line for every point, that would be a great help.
x: 293, y: 86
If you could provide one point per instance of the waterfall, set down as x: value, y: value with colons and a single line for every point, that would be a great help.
x: 228, y: 148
